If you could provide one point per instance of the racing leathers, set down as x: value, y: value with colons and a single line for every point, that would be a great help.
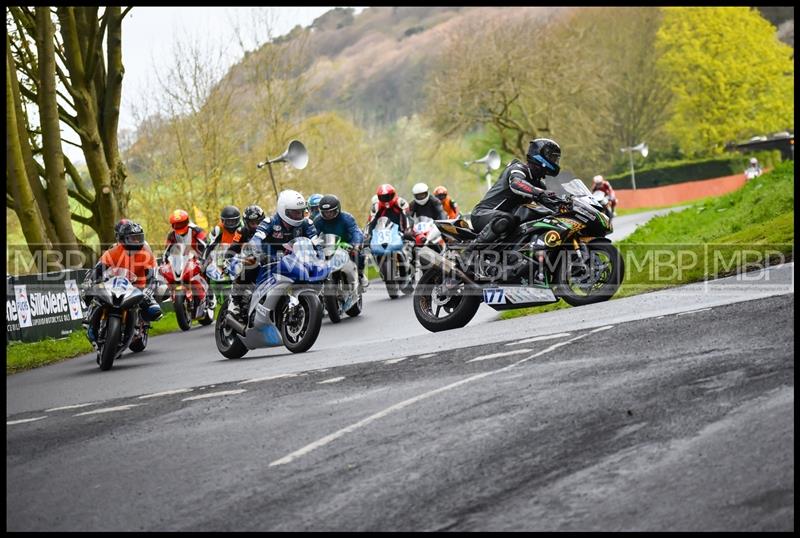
x: 493, y: 217
x: 195, y: 239
x: 345, y: 226
x: 606, y: 187
x: 141, y: 263
x: 267, y: 242
x: 394, y: 213
x: 432, y: 208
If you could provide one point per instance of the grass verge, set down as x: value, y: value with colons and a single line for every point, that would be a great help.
x: 21, y: 356
x: 712, y: 238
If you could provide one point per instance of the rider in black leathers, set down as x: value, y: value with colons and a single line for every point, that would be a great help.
x: 493, y: 217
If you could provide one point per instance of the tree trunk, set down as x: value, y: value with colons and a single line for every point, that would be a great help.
x: 57, y: 199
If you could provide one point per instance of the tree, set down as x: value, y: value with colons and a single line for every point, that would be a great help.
x: 731, y: 76
x: 60, y: 74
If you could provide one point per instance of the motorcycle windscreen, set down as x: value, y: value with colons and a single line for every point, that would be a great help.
x: 303, y: 264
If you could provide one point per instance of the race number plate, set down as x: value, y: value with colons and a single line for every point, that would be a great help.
x: 494, y: 296
x: 516, y: 295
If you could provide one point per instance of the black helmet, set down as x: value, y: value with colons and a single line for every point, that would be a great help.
x: 544, y: 155
x: 330, y: 207
x: 118, y: 227
x: 229, y: 216
x: 253, y: 215
x: 131, y: 236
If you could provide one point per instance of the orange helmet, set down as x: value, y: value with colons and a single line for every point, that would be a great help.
x: 179, y: 219
x: 440, y: 192
x: 387, y: 195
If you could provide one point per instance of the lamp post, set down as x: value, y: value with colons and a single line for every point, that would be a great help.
x: 641, y: 148
x: 492, y: 162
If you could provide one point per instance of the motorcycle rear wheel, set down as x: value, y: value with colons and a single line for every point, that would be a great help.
x: 427, y: 307
x: 228, y: 343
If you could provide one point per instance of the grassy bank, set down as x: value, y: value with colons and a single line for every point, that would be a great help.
x: 21, y: 356
x: 713, y: 237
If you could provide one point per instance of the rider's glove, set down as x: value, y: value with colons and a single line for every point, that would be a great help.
x: 408, y: 234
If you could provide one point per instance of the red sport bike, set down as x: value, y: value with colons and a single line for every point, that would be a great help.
x: 188, y: 289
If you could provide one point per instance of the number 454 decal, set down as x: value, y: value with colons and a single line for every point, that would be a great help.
x: 494, y: 296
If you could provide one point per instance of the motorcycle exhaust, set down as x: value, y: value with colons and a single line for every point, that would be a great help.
x: 433, y: 258
x: 234, y: 324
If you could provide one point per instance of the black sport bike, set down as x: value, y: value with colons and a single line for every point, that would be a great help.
x: 559, y: 251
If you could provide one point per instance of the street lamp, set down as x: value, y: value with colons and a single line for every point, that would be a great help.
x: 296, y: 155
x: 641, y: 148
x: 492, y: 162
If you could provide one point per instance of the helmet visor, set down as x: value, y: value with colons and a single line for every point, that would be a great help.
x: 295, y: 214
x: 421, y: 196
x: 386, y: 197
x: 230, y: 223
x: 133, y: 240
x: 441, y: 196
x: 329, y: 214
x: 181, y: 227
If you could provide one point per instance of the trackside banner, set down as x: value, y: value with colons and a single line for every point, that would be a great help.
x: 43, y: 305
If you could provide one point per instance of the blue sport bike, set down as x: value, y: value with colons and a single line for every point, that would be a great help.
x: 285, y: 307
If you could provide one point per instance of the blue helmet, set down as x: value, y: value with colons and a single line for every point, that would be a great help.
x: 313, y: 204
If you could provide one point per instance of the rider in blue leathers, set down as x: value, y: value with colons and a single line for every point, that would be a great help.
x: 287, y: 223
x: 332, y: 220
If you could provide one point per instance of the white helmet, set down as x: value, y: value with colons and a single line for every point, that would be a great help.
x: 753, y: 161
x: 420, y: 192
x: 598, y: 179
x: 291, y: 207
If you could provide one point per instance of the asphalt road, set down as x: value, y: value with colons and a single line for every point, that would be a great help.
x: 677, y: 422
x: 386, y: 328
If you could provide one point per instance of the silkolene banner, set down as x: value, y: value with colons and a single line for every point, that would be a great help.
x: 43, y: 305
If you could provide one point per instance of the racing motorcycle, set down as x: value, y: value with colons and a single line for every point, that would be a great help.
x: 284, y: 309
x: 554, y: 254
x: 605, y: 203
x: 188, y: 289
x: 393, y: 256
x: 426, y: 234
x: 342, y: 293
x: 117, y: 319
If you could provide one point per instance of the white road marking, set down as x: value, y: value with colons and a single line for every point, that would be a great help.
x: 538, y: 339
x: 361, y: 423
x: 269, y: 377
x: 107, y: 410
x: 214, y: 394
x: 597, y: 330
x: 64, y: 407
x: 394, y: 361
x: 428, y: 356
x: 331, y: 380
x: 22, y: 420
x: 693, y: 311
x: 165, y: 393
x: 501, y: 354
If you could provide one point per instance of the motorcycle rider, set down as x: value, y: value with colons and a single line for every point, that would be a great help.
x: 313, y: 206
x: 754, y: 170
x: 493, y: 217
x: 448, y: 204
x: 425, y: 205
x: 388, y: 206
x: 129, y: 253
x: 225, y: 233
x: 287, y: 223
x: 333, y: 220
x: 184, y: 232
x: 600, y: 184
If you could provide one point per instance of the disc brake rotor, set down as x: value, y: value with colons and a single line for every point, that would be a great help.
x: 297, y: 318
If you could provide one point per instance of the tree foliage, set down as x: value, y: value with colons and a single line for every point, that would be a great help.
x: 64, y: 68
x: 731, y: 76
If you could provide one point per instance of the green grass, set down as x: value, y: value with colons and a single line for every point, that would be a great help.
x: 21, y: 356
x: 714, y: 237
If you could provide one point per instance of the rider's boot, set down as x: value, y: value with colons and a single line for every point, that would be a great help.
x: 363, y: 281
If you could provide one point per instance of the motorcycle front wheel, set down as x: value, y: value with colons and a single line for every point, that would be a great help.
x: 442, y: 303
x: 330, y: 292
x: 183, y: 311
x: 300, y: 325
x: 580, y: 283
x: 113, y: 335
